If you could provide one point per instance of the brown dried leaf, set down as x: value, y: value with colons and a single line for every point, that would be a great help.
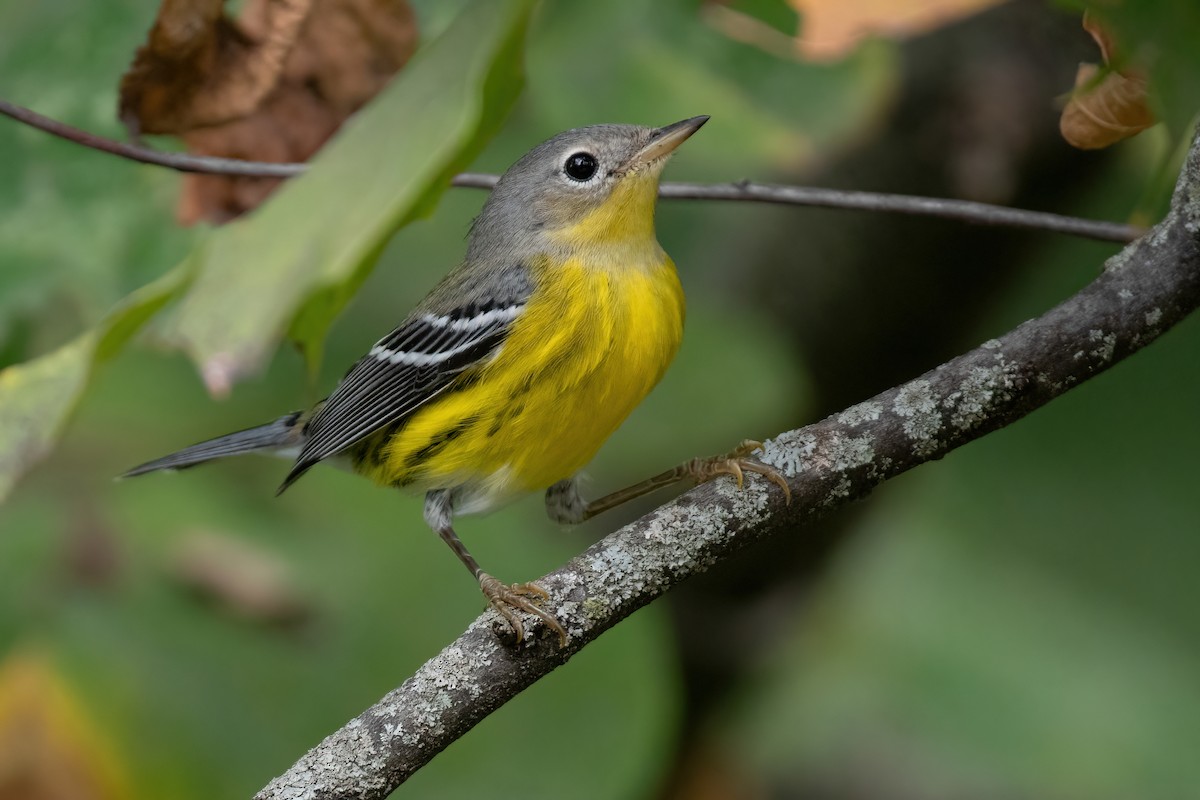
x: 199, y: 68
x: 291, y: 126
x: 272, y: 86
x: 49, y: 750
x: 832, y: 28
x: 1104, y: 110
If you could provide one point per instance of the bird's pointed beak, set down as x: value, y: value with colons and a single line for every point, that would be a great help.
x: 663, y: 141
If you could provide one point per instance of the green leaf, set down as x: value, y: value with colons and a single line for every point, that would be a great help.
x: 37, y: 397
x: 292, y: 265
x: 79, y: 230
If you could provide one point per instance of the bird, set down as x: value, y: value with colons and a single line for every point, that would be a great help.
x: 506, y: 379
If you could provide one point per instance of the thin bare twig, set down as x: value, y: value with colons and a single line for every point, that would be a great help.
x: 1144, y: 290
x: 962, y: 210
x: 182, y: 162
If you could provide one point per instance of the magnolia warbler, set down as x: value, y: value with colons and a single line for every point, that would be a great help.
x: 512, y: 372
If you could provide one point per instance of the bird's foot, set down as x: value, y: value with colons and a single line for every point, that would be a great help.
x: 522, y: 597
x: 736, y: 463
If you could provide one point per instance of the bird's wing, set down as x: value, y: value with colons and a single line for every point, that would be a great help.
x: 406, y: 369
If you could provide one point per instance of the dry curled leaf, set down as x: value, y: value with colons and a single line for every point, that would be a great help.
x: 199, y: 68
x: 1105, y: 107
x: 272, y: 85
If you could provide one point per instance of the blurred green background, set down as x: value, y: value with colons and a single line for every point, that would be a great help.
x: 1018, y: 620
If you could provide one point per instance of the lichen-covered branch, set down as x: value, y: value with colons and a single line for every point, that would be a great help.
x: 1142, y: 292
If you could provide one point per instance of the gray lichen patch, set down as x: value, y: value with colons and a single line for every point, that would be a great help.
x: 861, y: 413
x: 613, y: 569
x: 436, y: 689
x: 568, y: 583
x: 848, y: 452
x: 670, y: 542
x: 749, y: 502
x: 979, y: 393
x: 1191, y: 210
x: 794, y: 453
x: 595, y: 609
x: 1158, y: 236
x: 1153, y: 317
x: 838, y: 493
x: 1106, y: 345
x: 917, y: 406
x: 718, y: 520
x: 457, y: 665
x: 1045, y: 379
x: 789, y: 453
x: 666, y: 524
x: 361, y: 761
x: 418, y: 708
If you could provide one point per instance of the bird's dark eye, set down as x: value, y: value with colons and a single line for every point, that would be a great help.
x: 580, y: 166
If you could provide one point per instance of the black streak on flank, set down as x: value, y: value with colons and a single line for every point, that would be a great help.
x: 439, y: 442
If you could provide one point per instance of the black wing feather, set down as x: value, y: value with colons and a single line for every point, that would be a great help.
x: 406, y: 369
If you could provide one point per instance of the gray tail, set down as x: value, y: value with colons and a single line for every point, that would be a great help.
x: 281, y: 435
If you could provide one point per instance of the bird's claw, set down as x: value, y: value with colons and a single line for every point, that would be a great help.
x: 504, y: 599
x: 736, y: 463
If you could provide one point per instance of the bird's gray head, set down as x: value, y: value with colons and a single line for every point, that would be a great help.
x: 583, y: 187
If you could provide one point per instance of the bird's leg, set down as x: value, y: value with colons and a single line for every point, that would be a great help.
x: 564, y: 504
x: 439, y: 514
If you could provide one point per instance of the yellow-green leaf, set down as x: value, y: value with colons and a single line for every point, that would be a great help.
x: 49, y: 747
x: 37, y: 397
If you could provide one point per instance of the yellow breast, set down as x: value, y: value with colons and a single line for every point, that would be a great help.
x: 592, y: 342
